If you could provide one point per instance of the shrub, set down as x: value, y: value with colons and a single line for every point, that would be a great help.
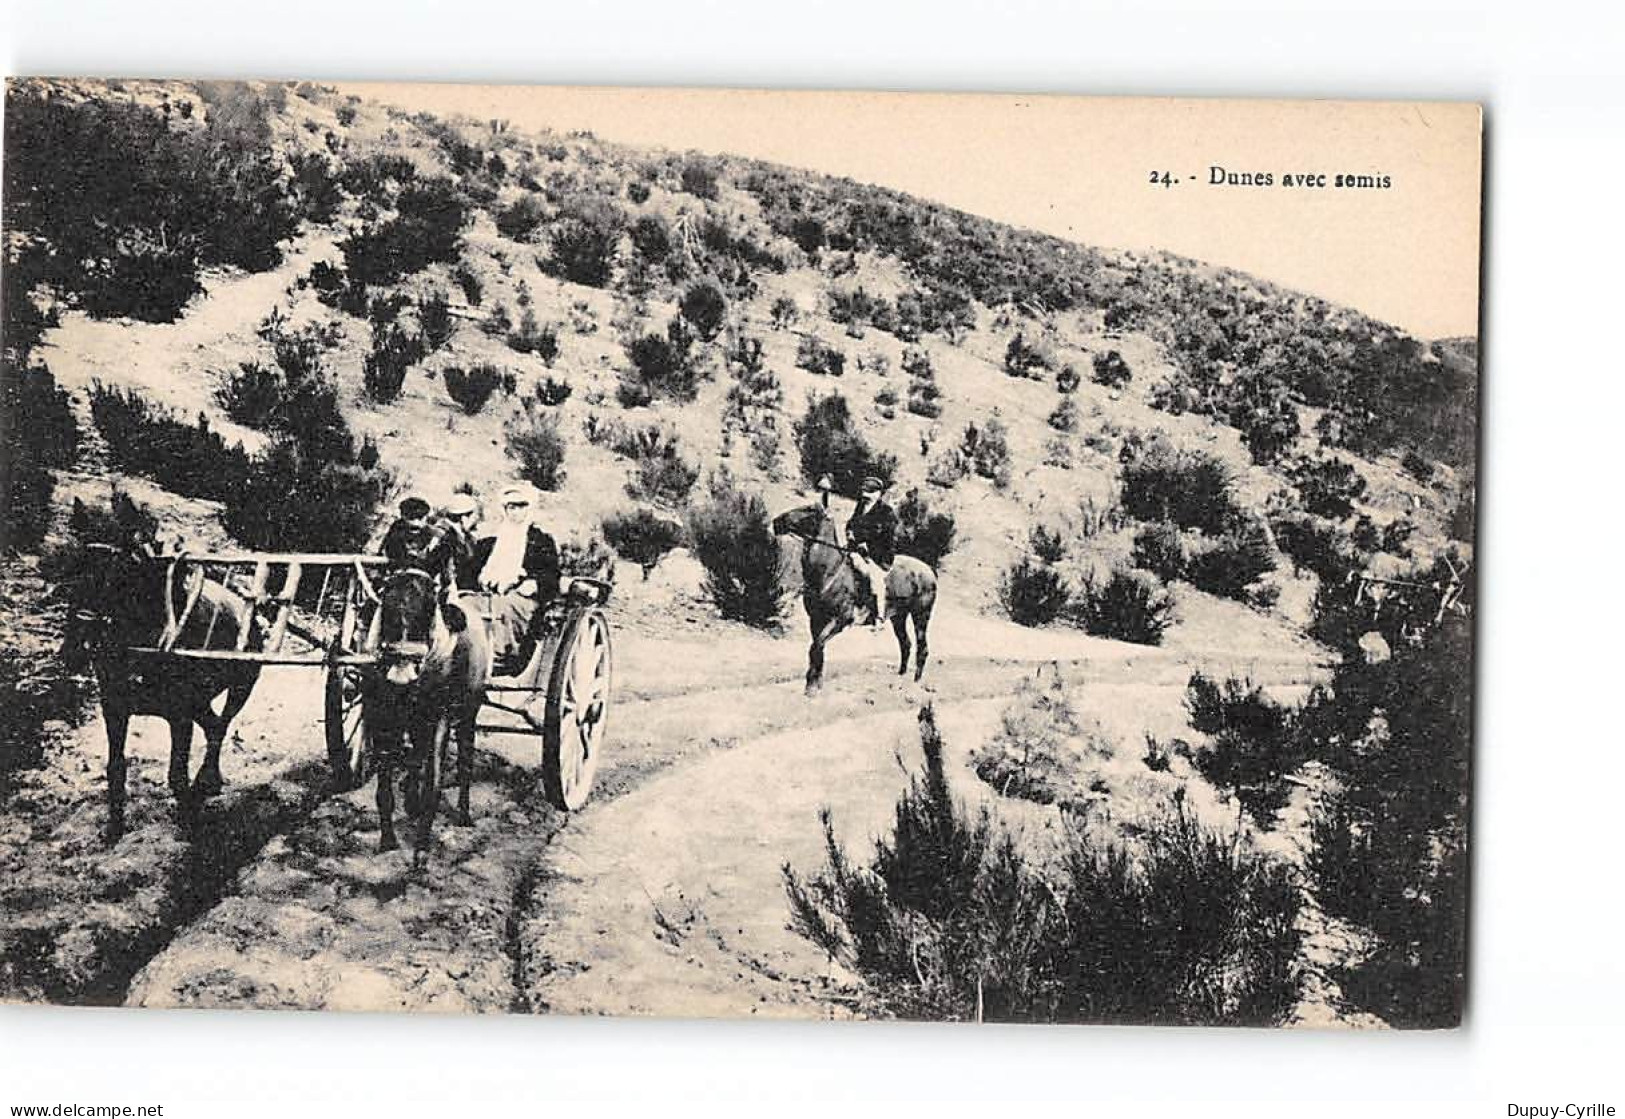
x: 733, y: 539
x: 394, y: 351
x: 817, y: 356
x: 1160, y: 549
x: 1228, y: 565
x: 704, y: 307
x: 949, y: 920
x: 699, y: 178
x: 551, y: 392
x: 642, y: 536
x: 471, y: 390
x: 293, y: 500
x: 1065, y: 415
x: 1046, y: 543
x: 651, y: 237
x: 924, y: 395
x: 664, y: 364
x: 921, y: 531
x: 434, y: 317
x: 469, y: 282
x: 829, y: 442
x: 1068, y: 379
x: 1252, y: 746
x: 521, y: 218
x: 784, y: 312
x: 535, y: 442
x: 252, y: 396
x: 1417, y: 466
x: 1329, y: 486
x: 43, y: 436
x: 661, y: 474
x: 427, y: 229
x: 1191, y: 488
x: 149, y: 440
x: 1021, y: 359
x: 1126, y: 606
x: 1317, y: 545
x: 531, y: 337
x: 987, y: 450
x: 1262, y: 409
x: 1032, y: 592
x: 1058, y: 453
x: 582, y: 249
x: 637, y: 191
x: 1110, y: 370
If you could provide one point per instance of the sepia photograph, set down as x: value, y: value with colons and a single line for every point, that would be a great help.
x: 698, y: 553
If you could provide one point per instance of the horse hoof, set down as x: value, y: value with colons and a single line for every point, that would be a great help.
x: 387, y: 843
x: 205, y: 787
x: 463, y: 820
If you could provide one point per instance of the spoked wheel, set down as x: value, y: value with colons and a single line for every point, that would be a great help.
x: 577, y: 701
x: 346, y: 726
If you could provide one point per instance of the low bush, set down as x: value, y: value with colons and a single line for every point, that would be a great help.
x: 472, y: 389
x: 699, y: 178
x: 1228, y: 565
x: 1328, y: 486
x: 582, y: 249
x: 1065, y: 415
x: 1160, y: 549
x: 531, y: 337
x: 434, y: 317
x: 427, y: 229
x: 705, y: 308
x: 552, y: 392
x: 252, y: 396
x: 922, y: 532
x: 784, y: 312
x: 1111, y: 370
x: 1125, y: 606
x: 1068, y: 379
x: 1032, y: 592
x: 1023, y: 359
x: 817, y: 356
x: 394, y: 352
x: 521, y: 218
x: 732, y: 537
x: 536, y: 443
x: 829, y: 442
x: 1164, y: 482
x: 924, y: 394
x: 1252, y: 747
x: 294, y: 500
x: 472, y: 287
x: 43, y: 436
x: 663, y: 365
x: 661, y: 474
x: 987, y: 450
x: 642, y: 536
x: 146, y: 439
x: 949, y: 920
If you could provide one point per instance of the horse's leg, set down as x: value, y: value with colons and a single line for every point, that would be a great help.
x: 209, y: 779
x: 388, y: 747
x: 899, y: 626
x: 118, y: 729
x: 922, y: 650
x: 815, y: 653
x: 424, y: 774
x: 465, y: 763
x: 180, y: 763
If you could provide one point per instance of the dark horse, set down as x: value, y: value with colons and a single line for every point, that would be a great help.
x: 124, y: 594
x: 425, y: 691
x: 833, y: 592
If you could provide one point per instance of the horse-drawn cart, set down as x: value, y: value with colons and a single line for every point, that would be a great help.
x: 323, y: 610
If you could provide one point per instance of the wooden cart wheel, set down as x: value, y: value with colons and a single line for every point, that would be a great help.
x: 346, y: 725
x: 577, y: 701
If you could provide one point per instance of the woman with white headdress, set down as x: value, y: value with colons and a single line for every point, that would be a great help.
x: 519, y: 565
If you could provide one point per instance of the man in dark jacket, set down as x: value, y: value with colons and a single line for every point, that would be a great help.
x: 519, y: 565
x: 871, y: 533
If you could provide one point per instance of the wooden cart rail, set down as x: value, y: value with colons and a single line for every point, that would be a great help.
x: 282, y: 592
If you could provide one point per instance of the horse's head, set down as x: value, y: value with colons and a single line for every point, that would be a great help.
x: 807, y: 522
x: 407, y: 612
x: 113, y: 584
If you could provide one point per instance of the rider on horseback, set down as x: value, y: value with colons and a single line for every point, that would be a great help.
x: 871, y: 533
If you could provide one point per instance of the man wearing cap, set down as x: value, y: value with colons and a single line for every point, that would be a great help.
x: 411, y: 541
x: 519, y: 565
x: 457, y: 523
x: 871, y: 533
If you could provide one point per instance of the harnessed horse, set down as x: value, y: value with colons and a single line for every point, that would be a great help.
x: 125, y: 595
x: 832, y: 591
x: 427, y: 687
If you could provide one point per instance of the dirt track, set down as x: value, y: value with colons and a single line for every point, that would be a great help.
x: 661, y: 897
